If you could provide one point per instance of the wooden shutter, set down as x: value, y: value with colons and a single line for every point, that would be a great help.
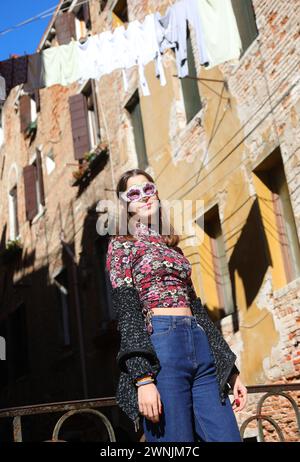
x: 86, y: 15
x: 31, y: 205
x: 79, y: 123
x: 65, y: 28
x: 37, y: 100
x: 25, y: 112
x: 39, y: 171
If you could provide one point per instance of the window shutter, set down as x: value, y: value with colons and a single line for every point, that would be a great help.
x: 65, y: 28
x: 79, y: 123
x: 31, y: 205
x: 25, y: 112
x: 87, y: 15
x: 40, y: 175
x: 246, y: 22
x: 37, y: 100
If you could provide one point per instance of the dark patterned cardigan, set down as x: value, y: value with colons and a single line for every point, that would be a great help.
x: 137, y: 356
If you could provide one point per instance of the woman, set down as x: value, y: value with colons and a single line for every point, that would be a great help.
x: 180, y: 401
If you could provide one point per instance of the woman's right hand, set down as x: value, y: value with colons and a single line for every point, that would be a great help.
x: 149, y: 402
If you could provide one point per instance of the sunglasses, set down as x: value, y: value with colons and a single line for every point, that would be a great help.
x: 137, y: 192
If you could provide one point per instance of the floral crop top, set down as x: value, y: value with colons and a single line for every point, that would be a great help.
x: 161, y: 274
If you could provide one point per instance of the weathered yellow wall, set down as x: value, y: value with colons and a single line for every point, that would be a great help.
x: 269, y: 221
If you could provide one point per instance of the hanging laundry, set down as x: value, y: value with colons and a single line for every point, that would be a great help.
x: 35, y: 73
x: 143, y: 48
x: 120, y: 52
x: 89, y: 59
x: 101, y: 54
x: 61, y: 64
x: 122, y: 49
x: 134, y: 33
x: 2, y: 89
x: 221, y: 32
x: 171, y: 30
x: 14, y: 71
x: 107, y: 61
x: 152, y: 51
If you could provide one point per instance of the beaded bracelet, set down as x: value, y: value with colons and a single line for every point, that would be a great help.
x: 144, y: 382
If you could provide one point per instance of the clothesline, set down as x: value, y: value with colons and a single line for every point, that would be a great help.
x: 217, y: 40
x: 44, y: 14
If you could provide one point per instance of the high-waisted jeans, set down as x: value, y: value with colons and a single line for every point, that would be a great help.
x: 188, y: 387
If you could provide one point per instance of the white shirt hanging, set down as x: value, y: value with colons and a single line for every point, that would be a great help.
x: 143, y: 48
x: 88, y: 59
x: 221, y: 32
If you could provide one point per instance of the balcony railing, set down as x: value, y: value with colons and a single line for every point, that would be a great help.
x: 271, y: 390
x: 69, y: 408
x: 91, y: 406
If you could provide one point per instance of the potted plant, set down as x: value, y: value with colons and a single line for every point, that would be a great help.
x: 12, y: 249
x: 89, y: 162
x: 77, y: 174
x: 90, y: 156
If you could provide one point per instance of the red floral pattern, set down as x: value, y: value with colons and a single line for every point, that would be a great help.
x: 161, y: 274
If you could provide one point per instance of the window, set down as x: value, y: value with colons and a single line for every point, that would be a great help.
x: 133, y: 107
x: 29, y: 107
x: 34, y: 187
x: 65, y: 28
x: 84, y: 120
x: 121, y: 11
x: 92, y: 113
x: 214, y: 266
x: 62, y: 285
x: 245, y: 18
x: 82, y: 20
x: 13, y: 214
x: 37, y: 186
x: 50, y: 162
x: 34, y: 106
x: 189, y: 85
x: 278, y: 218
x: 17, y: 344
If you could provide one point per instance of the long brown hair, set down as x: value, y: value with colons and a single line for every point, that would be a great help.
x: 171, y: 239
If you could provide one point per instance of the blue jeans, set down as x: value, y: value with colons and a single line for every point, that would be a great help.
x: 188, y: 387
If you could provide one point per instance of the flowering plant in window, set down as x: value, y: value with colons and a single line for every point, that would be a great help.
x: 89, y: 161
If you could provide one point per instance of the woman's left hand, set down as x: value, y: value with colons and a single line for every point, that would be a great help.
x: 239, y: 393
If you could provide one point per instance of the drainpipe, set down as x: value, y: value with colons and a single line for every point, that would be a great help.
x: 78, y: 316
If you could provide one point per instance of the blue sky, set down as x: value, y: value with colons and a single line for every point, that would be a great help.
x: 26, y: 38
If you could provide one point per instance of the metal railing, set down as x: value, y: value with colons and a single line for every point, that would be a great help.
x: 271, y: 390
x: 90, y: 407
x: 69, y: 408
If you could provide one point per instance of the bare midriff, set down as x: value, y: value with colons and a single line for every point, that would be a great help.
x: 180, y: 311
